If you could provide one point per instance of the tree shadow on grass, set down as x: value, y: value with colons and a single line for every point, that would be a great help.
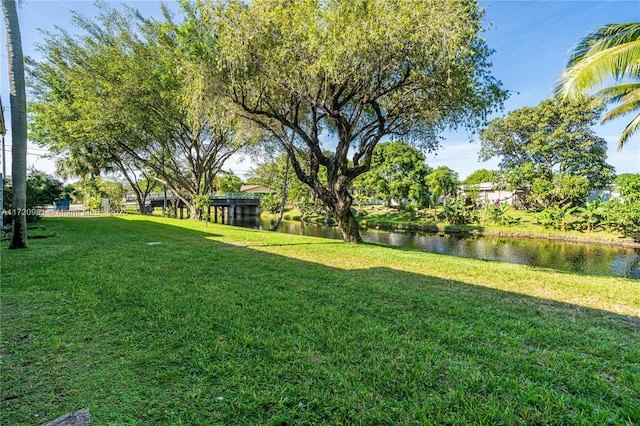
x: 216, y: 333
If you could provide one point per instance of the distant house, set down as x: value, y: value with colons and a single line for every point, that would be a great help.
x: 609, y: 192
x: 490, y: 193
x: 256, y: 189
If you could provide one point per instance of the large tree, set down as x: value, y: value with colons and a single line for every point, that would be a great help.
x: 131, y: 92
x: 344, y: 74
x: 443, y: 181
x: 550, y: 141
x: 397, y: 172
x: 608, y: 56
x: 18, y: 103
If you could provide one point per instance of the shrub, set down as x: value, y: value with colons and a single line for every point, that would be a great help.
x: 271, y: 203
x: 42, y: 190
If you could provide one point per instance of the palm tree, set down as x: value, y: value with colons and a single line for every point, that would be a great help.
x: 609, y: 52
x: 18, y: 102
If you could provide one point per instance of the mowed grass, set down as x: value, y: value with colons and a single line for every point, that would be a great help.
x: 223, y: 325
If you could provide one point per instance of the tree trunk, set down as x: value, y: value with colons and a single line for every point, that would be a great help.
x: 18, y: 105
x: 284, y: 197
x: 175, y: 202
x: 141, y: 204
x: 348, y: 226
x: 340, y: 205
x: 193, y: 212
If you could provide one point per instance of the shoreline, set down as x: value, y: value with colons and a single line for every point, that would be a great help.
x: 626, y: 242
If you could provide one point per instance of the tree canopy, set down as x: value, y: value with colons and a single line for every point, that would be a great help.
x: 42, y: 190
x: 398, y: 173
x: 482, y: 176
x: 130, y: 94
x: 629, y: 185
x: 318, y: 73
x: 552, y: 139
x: 443, y: 181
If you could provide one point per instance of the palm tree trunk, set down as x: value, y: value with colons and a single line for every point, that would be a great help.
x: 17, y: 100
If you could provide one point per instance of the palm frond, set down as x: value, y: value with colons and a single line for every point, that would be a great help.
x: 628, y: 104
x: 631, y: 128
x: 609, y: 51
x: 621, y: 61
x: 617, y: 93
x: 604, y: 38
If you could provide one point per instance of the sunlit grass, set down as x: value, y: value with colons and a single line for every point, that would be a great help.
x: 223, y: 325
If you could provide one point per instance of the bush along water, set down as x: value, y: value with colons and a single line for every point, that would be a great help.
x: 594, y: 216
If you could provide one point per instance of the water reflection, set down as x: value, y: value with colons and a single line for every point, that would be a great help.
x: 580, y: 258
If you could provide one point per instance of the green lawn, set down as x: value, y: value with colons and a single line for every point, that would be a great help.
x: 223, y: 325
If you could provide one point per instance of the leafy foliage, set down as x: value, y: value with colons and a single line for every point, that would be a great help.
x: 623, y: 217
x: 560, y: 190
x: 611, y: 52
x: 457, y: 212
x: 397, y: 173
x: 629, y: 185
x: 550, y: 149
x: 201, y: 203
x: 113, y: 191
x: 131, y: 94
x: 442, y: 181
x: 90, y: 190
x: 271, y: 202
x: 359, y: 70
x: 558, y: 217
x: 499, y: 214
x: 273, y: 173
x: 592, y: 213
x: 42, y: 190
x: 226, y: 182
x: 482, y: 176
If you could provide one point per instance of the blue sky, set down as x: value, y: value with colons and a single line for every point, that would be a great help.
x: 531, y: 39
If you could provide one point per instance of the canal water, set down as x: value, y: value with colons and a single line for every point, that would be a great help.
x: 588, y: 259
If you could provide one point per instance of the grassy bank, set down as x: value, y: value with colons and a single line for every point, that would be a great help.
x: 528, y: 226
x: 223, y: 325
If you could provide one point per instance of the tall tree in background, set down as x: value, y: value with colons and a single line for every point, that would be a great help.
x: 397, y: 169
x: 18, y: 102
x: 611, y: 52
x: 551, y: 149
x: 350, y: 73
x: 442, y: 182
x: 482, y: 176
x: 134, y: 91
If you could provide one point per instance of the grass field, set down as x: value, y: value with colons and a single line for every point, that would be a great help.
x: 223, y: 325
